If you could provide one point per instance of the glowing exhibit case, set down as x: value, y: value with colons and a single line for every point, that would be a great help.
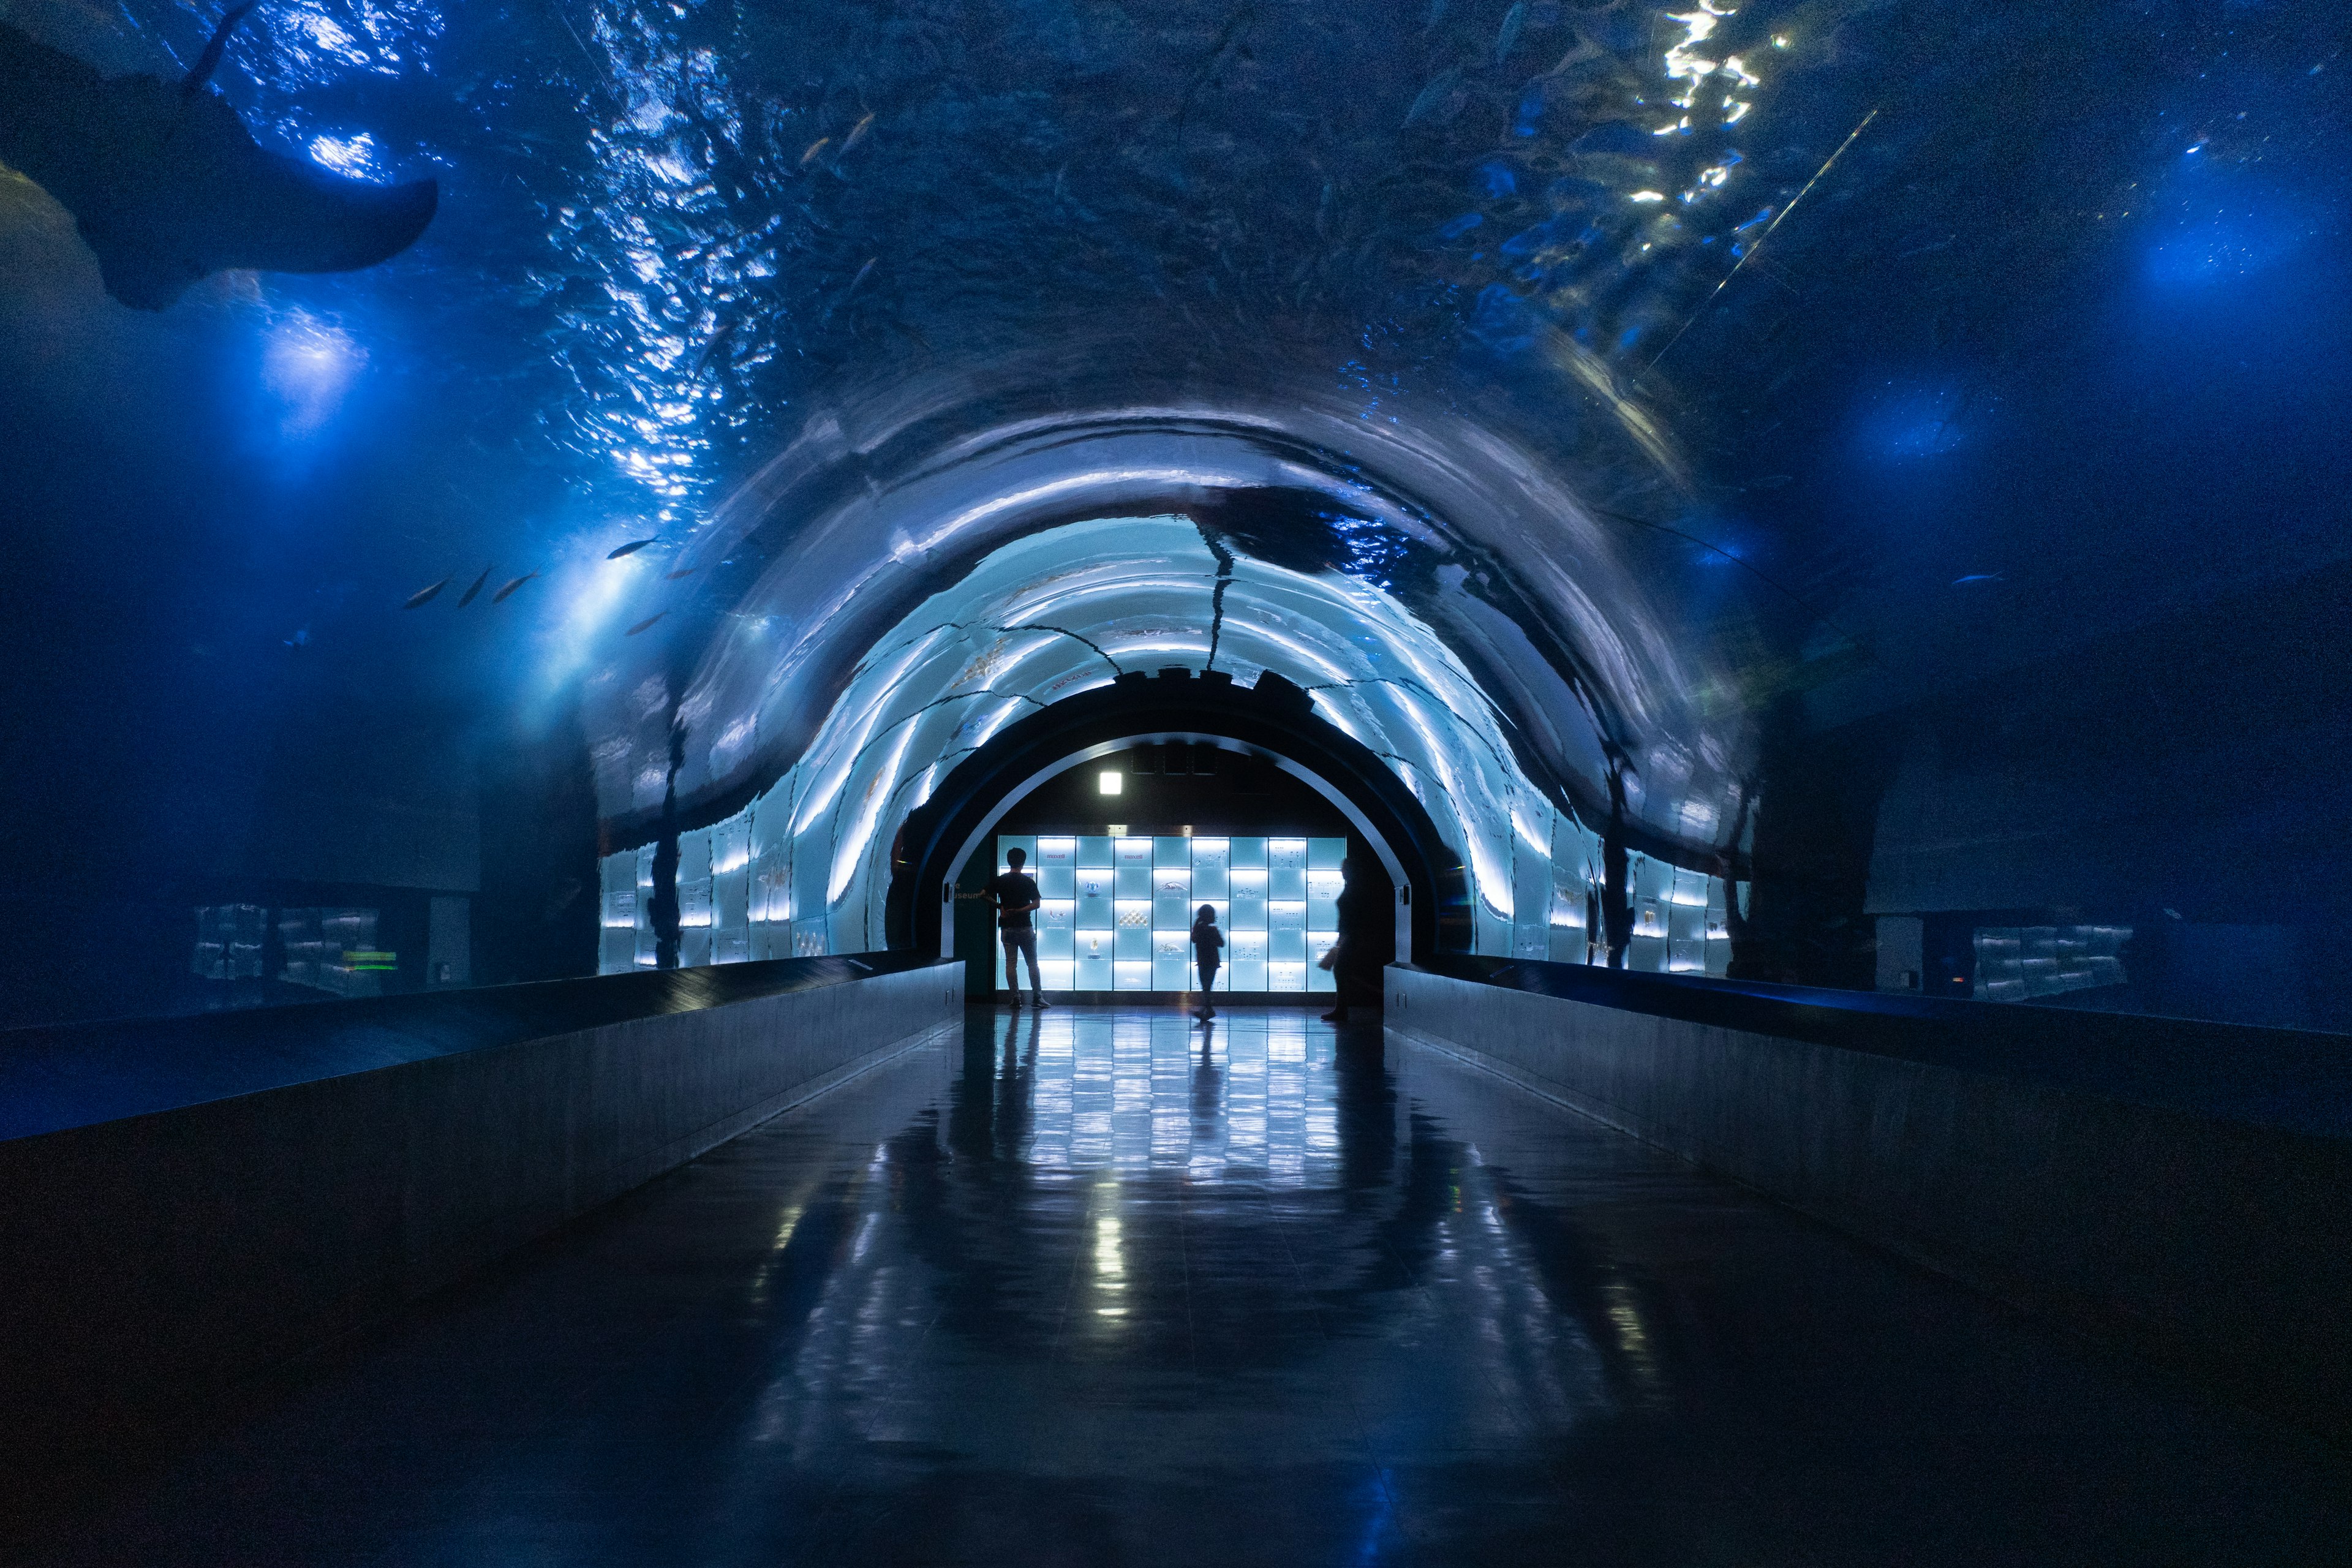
x: 1118, y: 913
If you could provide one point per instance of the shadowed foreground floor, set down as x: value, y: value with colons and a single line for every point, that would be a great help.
x: 1103, y: 1288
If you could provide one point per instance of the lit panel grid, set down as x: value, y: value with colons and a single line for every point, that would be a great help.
x: 1319, y: 978
x: 1171, y: 961
x: 1094, y: 884
x: 1248, y: 898
x: 1007, y: 844
x: 1124, y: 921
x: 1323, y: 900
x: 1057, y: 867
x: 1285, y: 868
x: 1172, y: 897
x: 1325, y: 853
x: 1132, y: 859
x: 1245, y: 960
x: 1210, y: 858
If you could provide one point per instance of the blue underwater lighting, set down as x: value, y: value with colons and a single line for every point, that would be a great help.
x: 308, y: 366
x: 2217, y: 250
x: 1909, y: 423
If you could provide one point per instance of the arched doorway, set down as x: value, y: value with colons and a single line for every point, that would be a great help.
x: 1272, y: 723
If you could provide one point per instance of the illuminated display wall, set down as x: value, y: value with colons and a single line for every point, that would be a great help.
x: 1118, y: 913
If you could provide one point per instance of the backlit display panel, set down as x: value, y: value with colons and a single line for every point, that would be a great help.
x: 1125, y: 922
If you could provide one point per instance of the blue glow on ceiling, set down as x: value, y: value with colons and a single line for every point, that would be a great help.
x: 1664, y: 365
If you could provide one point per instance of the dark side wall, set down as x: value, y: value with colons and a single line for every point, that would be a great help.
x: 340, y: 800
x: 2189, y: 779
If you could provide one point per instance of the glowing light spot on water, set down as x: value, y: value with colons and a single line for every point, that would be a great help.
x: 354, y: 157
x: 308, y: 365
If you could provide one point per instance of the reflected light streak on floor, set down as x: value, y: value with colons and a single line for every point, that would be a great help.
x: 1112, y: 1288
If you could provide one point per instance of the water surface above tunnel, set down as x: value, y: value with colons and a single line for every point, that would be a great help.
x: 1103, y: 1287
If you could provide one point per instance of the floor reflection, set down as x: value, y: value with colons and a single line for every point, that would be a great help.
x: 1115, y: 1287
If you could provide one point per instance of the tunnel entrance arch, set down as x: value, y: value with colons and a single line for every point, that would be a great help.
x: 1272, y: 721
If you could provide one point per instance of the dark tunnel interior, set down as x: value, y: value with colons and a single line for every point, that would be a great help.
x: 1673, y: 680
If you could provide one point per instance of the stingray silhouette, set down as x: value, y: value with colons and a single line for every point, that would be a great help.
x: 167, y: 186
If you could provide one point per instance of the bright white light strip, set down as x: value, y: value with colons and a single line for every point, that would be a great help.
x: 869, y: 813
x: 1003, y: 716
x: 1291, y: 645
x: 1117, y: 648
x: 1037, y: 495
x: 1021, y: 610
x: 1493, y: 888
x: 1527, y: 835
x: 1333, y: 716
x: 820, y: 799
x: 1040, y: 645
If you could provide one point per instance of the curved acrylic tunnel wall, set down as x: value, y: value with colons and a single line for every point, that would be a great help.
x: 804, y: 868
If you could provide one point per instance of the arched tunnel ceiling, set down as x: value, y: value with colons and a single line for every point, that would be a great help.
x: 1653, y: 364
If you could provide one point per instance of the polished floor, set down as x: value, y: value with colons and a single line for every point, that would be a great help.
x: 1110, y: 1288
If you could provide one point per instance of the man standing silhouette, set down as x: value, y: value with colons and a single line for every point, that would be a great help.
x: 1014, y: 894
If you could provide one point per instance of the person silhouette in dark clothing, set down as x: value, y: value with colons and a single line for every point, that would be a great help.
x: 1014, y: 894
x: 1351, y: 962
x: 1208, y: 955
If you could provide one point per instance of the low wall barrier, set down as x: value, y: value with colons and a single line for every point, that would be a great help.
x: 2185, y: 1189
x: 184, y: 1215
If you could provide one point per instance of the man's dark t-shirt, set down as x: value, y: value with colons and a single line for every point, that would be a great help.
x: 1013, y: 890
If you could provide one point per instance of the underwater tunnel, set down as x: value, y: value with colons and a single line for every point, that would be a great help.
x: 1728, y: 619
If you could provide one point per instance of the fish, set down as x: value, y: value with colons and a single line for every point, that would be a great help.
x: 167, y: 186
x: 424, y: 596
x: 506, y: 593
x: 681, y: 571
x: 856, y: 134
x: 631, y: 548
x: 814, y: 148
x: 1433, y: 96
x: 476, y: 591
x: 1976, y: 577
x: 641, y: 625
x: 717, y: 341
x: 1508, y: 38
